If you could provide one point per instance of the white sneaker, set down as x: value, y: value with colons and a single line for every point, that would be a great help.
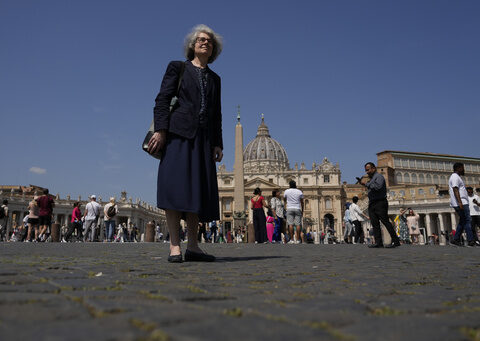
x: 63, y: 240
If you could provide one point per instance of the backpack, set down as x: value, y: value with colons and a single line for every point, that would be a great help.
x: 111, y: 212
x: 2, y: 212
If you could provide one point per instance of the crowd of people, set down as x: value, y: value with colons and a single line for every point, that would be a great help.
x: 281, y: 224
x: 83, y: 227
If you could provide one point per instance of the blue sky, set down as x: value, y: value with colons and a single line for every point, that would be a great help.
x: 336, y: 79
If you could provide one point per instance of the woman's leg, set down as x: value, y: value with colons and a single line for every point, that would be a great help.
x: 192, y: 233
x: 173, y: 224
x: 29, y: 233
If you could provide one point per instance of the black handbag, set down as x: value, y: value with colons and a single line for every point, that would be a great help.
x: 151, y: 130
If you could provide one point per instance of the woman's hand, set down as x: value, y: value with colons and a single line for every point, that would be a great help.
x: 157, y: 142
x: 217, y: 154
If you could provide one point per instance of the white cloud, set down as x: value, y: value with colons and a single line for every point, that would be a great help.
x: 38, y: 170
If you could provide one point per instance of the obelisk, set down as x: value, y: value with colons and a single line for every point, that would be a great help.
x: 239, y: 190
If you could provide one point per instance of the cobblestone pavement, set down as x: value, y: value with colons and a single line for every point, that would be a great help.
x: 100, y: 291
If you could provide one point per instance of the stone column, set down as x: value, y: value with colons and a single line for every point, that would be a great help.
x: 443, y: 240
x: 238, y: 173
x: 428, y: 225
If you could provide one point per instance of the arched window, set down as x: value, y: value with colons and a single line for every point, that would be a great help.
x: 406, y: 178
x: 435, y: 179
x: 421, y: 179
x: 443, y: 180
x: 414, y: 178
x: 429, y: 179
x: 399, y: 178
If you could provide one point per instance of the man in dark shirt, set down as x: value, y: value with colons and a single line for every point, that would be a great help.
x: 378, y: 206
x: 45, y: 205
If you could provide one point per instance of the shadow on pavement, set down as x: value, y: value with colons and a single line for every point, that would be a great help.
x: 245, y: 259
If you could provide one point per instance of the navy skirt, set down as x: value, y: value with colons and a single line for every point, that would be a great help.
x: 187, y: 177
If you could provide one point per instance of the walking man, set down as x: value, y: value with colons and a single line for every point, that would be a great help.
x: 459, y: 202
x: 347, y: 225
x: 474, y: 206
x: 295, y: 207
x: 45, y: 211
x: 357, y: 216
x: 378, y: 206
x: 91, y: 215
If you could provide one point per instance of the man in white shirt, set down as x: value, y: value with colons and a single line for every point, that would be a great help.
x: 474, y: 206
x: 357, y: 216
x: 459, y: 202
x: 295, y: 206
x: 91, y: 215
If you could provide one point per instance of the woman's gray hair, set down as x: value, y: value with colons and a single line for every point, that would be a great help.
x: 191, y: 38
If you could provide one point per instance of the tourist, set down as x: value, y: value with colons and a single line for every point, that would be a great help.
x: 4, y: 220
x: 378, y: 206
x: 202, y: 232
x: 45, y: 205
x: 403, y: 229
x: 412, y: 224
x: 347, y: 225
x: 91, y: 215
x: 357, y: 217
x: 278, y: 210
x: 75, y: 223
x: 257, y: 203
x: 295, y: 207
x: 459, y: 202
x: 270, y: 225
x: 191, y: 140
x: 474, y: 206
x: 109, y: 212
x: 213, y: 231
x: 33, y: 221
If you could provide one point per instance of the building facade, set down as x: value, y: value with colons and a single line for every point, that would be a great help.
x: 264, y: 164
x: 403, y: 168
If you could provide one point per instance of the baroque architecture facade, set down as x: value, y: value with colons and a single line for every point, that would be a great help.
x: 264, y: 163
x: 138, y: 213
x: 404, y: 168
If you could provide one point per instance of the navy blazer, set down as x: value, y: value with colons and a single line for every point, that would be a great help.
x: 184, y: 120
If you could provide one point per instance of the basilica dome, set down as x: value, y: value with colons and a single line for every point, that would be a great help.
x: 264, y: 154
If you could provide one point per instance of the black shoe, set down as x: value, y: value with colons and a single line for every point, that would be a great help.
x: 175, y: 259
x: 375, y: 246
x: 456, y: 243
x: 471, y: 244
x: 198, y: 257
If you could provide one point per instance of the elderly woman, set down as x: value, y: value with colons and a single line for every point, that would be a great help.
x: 190, y: 137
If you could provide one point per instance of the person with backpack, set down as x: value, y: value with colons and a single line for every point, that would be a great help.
x: 110, y: 211
x: 3, y: 220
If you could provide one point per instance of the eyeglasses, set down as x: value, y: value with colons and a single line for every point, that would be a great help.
x: 203, y: 40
